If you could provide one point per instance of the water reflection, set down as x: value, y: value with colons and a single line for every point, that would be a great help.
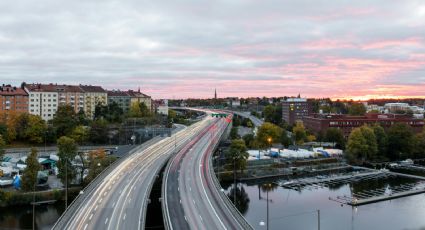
x: 20, y: 217
x: 297, y: 209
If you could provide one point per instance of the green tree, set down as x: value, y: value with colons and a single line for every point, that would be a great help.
x: 299, y: 133
x: 29, y: 178
x: 67, y: 151
x: 419, y: 145
x: 234, y: 133
x: 35, y: 130
x: 65, y: 120
x: 134, y: 110
x: 80, y: 134
x: 361, y: 145
x: 98, y: 133
x: 335, y: 136
x: 146, y: 112
x: 248, y: 138
x: 381, y: 140
x: 357, y: 109
x: 400, y: 141
x: 3, y: 131
x: 285, y: 140
x: 238, y: 152
x: 268, y: 113
x: 268, y: 134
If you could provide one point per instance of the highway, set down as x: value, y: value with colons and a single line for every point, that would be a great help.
x: 257, y: 122
x: 120, y: 200
x: 192, y: 198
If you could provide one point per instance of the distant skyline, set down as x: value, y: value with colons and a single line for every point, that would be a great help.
x: 185, y: 49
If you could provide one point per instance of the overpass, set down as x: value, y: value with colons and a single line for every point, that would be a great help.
x: 193, y: 198
x: 257, y: 122
x: 118, y: 198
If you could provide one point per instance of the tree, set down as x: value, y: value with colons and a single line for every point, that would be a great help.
x: 98, y: 131
x: 400, y: 141
x: 234, y: 133
x: 146, y: 112
x: 112, y: 112
x: 268, y: 113
x: 335, y: 136
x: 135, y: 110
x: 67, y: 151
x: 357, y: 109
x: 96, y: 164
x: 238, y: 153
x: 248, y: 138
x: 3, y: 131
x: 285, y: 140
x: 80, y: 134
x: 65, y: 120
x: 419, y: 145
x: 29, y: 178
x: 381, y: 141
x: 268, y: 134
x: 361, y: 145
x: 2, y: 145
x: 299, y: 133
x: 35, y: 130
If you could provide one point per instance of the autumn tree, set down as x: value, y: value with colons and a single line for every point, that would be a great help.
x: 361, y: 145
x: 299, y: 133
x: 2, y: 145
x: 268, y: 134
x: 357, y: 109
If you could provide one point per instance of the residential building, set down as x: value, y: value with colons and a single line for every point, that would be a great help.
x: 13, y: 99
x: 138, y: 97
x: 295, y: 109
x: 93, y: 95
x: 121, y: 98
x: 162, y: 107
x: 319, y: 123
x: 43, y: 100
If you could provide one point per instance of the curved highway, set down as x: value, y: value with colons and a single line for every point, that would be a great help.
x: 192, y: 199
x: 120, y: 200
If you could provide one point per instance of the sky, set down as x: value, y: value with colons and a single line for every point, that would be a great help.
x: 186, y: 48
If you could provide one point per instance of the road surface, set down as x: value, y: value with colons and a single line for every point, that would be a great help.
x: 192, y: 201
x: 120, y: 200
x: 257, y: 122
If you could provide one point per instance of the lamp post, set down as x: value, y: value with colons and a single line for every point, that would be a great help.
x: 267, y: 186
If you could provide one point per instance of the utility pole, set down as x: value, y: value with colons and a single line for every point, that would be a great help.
x: 318, y: 219
x: 66, y: 185
x: 267, y: 226
x: 33, y: 207
x: 234, y: 180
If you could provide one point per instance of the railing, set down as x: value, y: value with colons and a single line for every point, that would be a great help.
x: 230, y: 206
x: 73, y: 207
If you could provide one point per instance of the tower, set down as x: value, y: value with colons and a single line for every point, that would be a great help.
x: 215, y: 94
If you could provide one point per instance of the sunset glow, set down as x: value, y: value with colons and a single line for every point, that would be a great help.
x: 331, y: 49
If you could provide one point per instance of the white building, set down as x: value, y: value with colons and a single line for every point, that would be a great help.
x: 42, y: 101
x: 163, y: 107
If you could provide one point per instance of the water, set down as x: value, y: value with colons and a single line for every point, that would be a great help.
x: 20, y: 217
x: 291, y: 209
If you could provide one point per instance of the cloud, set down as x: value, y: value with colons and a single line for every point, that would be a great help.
x: 242, y: 48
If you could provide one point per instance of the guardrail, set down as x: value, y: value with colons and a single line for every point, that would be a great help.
x: 230, y: 206
x: 73, y: 206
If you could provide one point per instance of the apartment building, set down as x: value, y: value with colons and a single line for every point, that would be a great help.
x: 13, y: 99
x: 121, y: 98
x: 295, y: 109
x: 43, y: 100
x: 138, y: 97
x: 93, y: 95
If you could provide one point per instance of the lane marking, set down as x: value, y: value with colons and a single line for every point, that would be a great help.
x: 91, y: 216
x: 106, y: 221
x: 125, y: 214
x: 95, y: 208
x: 85, y: 226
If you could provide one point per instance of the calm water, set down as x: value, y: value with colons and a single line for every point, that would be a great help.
x: 21, y: 217
x: 290, y: 209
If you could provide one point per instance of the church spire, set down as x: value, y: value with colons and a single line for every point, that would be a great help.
x: 215, y: 94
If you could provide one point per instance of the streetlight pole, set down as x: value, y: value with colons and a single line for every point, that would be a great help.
x: 267, y: 192
x: 66, y: 184
x: 234, y: 180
